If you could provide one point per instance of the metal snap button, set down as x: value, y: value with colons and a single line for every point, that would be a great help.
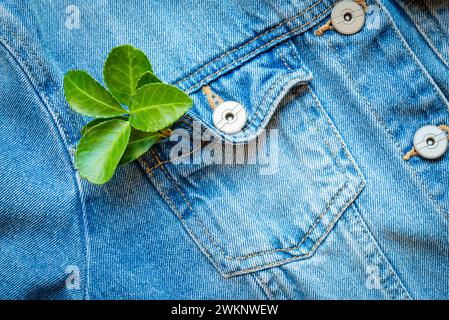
x: 230, y: 117
x: 348, y: 17
x: 430, y: 142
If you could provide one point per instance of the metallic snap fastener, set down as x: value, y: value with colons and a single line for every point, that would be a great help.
x: 230, y: 117
x: 430, y: 142
x: 348, y: 17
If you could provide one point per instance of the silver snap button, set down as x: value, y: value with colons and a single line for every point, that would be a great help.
x: 430, y: 142
x: 348, y: 17
x: 230, y: 117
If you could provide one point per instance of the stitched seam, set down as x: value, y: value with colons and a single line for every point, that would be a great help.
x: 325, y: 139
x: 432, y: 17
x: 268, y: 94
x: 431, y: 43
x: 339, y: 138
x: 163, y: 194
x: 438, y: 20
x: 317, y: 243
x: 413, y: 56
x: 24, y: 43
x: 264, y: 286
x: 209, y: 235
x: 310, y: 121
x: 383, y: 124
x: 35, y: 82
x: 297, y: 246
x: 283, y: 60
x: 159, y: 163
x: 172, y: 206
x: 250, y: 41
x: 379, y: 253
x: 206, y: 231
x: 293, y: 50
x: 86, y: 232
x: 259, y: 106
x: 61, y: 130
x: 261, y: 47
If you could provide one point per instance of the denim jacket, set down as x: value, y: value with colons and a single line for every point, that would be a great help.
x: 315, y: 200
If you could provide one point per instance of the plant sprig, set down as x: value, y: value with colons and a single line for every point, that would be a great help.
x: 120, y: 135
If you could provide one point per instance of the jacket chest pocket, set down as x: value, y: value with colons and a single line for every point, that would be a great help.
x: 270, y: 193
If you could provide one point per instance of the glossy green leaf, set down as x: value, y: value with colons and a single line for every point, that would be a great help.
x: 124, y: 67
x: 100, y: 150
x: 139, y: 143
x: 147, y: 78
x: 157, y: 106
x: 87, y: 97
x: 94, y: 122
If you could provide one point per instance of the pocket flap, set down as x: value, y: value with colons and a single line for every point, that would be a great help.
x: 259, y: 85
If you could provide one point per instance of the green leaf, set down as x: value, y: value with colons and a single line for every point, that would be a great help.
x: 94, y: 122
x: 147, y: 78
x: 100, y: 150
x: 139, y: 143
x: 88, y: 97
x: 123, y: 68
x: 157, y: 106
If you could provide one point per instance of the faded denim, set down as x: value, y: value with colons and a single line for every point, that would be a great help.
x: 343, y: 216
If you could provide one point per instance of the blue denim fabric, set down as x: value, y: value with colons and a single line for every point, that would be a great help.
x: 342, y: 216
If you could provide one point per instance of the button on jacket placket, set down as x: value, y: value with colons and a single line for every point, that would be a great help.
x: 348, y: 17
x: 430, y: 142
